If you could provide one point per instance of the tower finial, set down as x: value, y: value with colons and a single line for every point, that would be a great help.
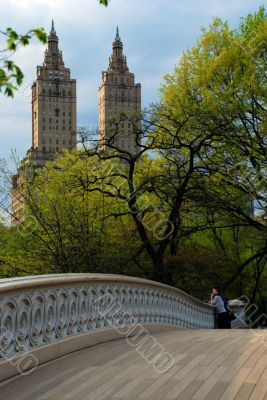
x: 117, y: 37
x: 52, y: 31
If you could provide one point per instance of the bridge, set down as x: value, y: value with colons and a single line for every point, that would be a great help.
x: 87, y: 336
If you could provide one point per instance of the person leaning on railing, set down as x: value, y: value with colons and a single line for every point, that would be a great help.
x: 216, y: 300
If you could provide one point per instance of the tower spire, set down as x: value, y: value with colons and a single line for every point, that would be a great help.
x: 52, y: 31
x: 117, y: 61
x: 53, y: 56
x: 117, y: 37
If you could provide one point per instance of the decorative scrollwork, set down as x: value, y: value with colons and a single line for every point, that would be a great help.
x: 34, y: 318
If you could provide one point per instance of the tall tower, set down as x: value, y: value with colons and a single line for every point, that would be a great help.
x: 53, y: 120
x: 118, y: 95
x: 53, y: 106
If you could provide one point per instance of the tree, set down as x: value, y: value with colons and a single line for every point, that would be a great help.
x: 179, y: 208
x: 68, y: 229
x: 154, y: 183
x: 222, y: 81
x: 211, y: 118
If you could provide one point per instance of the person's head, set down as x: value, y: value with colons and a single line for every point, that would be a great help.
x: 214, y: 291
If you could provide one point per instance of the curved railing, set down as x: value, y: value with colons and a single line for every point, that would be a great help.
x: 40, y: 310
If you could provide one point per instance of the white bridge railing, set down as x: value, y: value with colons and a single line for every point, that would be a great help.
x: 38, y: 310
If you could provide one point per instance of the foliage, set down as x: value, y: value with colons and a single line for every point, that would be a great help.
x: 218, y: 90
x: 11, y: 75
x: 180, y: 208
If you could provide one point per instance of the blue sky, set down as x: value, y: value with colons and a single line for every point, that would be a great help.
x: 154, y: 33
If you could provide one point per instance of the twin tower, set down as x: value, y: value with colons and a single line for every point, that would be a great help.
x: 54, y: 115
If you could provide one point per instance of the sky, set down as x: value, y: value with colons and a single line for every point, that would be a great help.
x: 154, y: 34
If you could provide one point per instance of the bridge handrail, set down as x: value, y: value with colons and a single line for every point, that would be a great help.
x: 38, y: 310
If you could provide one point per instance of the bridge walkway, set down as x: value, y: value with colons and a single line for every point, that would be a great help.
x: 208, y: 365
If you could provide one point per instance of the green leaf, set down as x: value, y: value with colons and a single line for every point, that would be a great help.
x: 19, y: 75
x: 10, y: 81
x: 40, y: 34
x: 9, y: 65
x: 11, y: 34
x: 104, y: 2
x: 25, y: 40
x: 11, y: 45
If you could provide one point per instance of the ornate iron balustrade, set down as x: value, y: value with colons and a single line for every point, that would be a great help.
x: 39, y: 310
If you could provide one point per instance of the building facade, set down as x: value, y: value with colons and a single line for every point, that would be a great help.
x: 119, y: 104
x: 54, y: 121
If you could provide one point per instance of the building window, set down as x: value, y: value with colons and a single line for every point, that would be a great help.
x: 63, y: 114
x: 43, y: 91
x: 63, y: 121
x: 57, y: 141
x: 63, y: 141
x: 69, y: 92
x: 56, y: 148
x: 56, y: 127
x: 50, y: 141
x: 43, y: 148
x: 69, y: 114
x: 63, y: 128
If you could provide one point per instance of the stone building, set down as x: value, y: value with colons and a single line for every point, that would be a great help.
x: 53, y: 118
x: 53, y: 105
x: 119, y: 99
